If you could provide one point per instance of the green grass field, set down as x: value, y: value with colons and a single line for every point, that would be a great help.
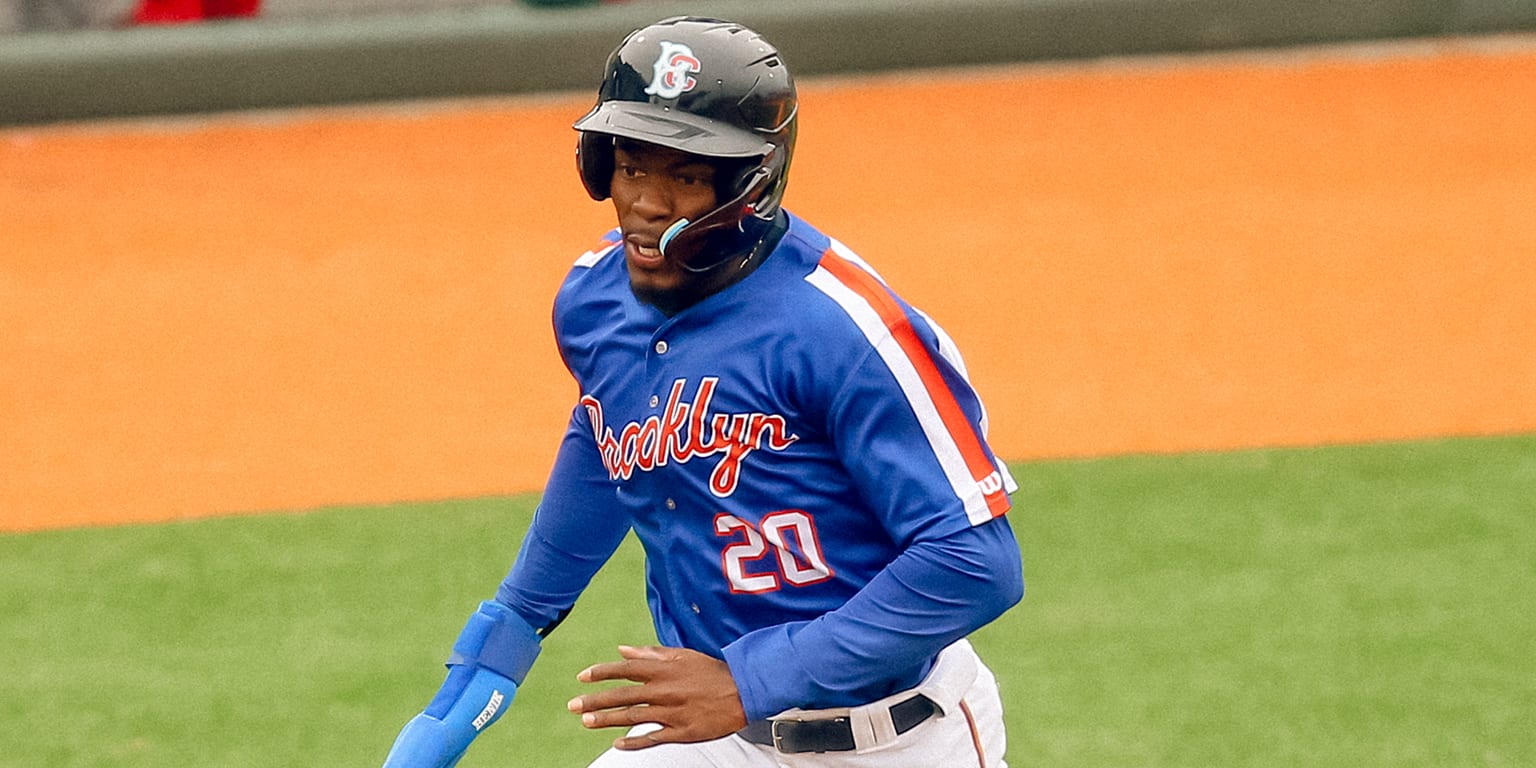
x: 1342, y: 606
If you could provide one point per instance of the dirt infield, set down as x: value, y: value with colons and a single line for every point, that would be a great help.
x: 285, y: 311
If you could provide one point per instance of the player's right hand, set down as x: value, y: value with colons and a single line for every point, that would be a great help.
x: 690, y: 694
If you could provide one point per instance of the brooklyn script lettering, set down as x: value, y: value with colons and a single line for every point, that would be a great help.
x: 684, y: 431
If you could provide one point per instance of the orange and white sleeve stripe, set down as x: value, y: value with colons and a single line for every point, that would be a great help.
x: 980, y: 483
x: 598, y: 251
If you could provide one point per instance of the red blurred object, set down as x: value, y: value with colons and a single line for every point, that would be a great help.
x: 174, y: 11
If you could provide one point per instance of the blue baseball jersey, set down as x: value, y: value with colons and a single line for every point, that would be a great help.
x: 802, y: 458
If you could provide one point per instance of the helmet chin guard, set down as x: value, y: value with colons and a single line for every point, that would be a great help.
x: 733, y: 227
x: 710, y: 88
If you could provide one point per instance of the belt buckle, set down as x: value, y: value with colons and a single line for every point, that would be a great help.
x: 778, y: 738
x: 796, y: 748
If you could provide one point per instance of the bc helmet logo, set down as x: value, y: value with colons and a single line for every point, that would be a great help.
x: 670, y: 78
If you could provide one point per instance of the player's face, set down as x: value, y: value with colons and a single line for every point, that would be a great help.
x: 653, y: 187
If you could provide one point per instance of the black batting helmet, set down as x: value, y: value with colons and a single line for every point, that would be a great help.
x: 703, y: 86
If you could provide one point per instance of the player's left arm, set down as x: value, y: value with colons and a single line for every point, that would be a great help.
x: 934, y: 593
x: 911, y: 432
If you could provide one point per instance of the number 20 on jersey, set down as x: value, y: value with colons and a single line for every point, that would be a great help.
x: 783, y: 548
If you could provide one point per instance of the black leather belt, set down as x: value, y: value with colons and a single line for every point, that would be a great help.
x: 833, y: 734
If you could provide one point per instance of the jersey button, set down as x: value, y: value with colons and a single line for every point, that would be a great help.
x: 671, y: 504
x: 655, y: 401
x: 695, y: 607
x: 661, y: 347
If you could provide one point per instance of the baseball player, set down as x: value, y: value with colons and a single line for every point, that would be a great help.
x: 796, y: 448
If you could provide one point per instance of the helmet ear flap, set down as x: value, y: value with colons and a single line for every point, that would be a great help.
x: 756, y: 187
x: 594, y: 159
x: 740, y: 178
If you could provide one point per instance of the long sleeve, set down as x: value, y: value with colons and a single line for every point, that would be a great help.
x: 934, y: 593
x: 575, y: 529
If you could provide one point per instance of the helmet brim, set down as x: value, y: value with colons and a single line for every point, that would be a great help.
x: 673, y: 128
